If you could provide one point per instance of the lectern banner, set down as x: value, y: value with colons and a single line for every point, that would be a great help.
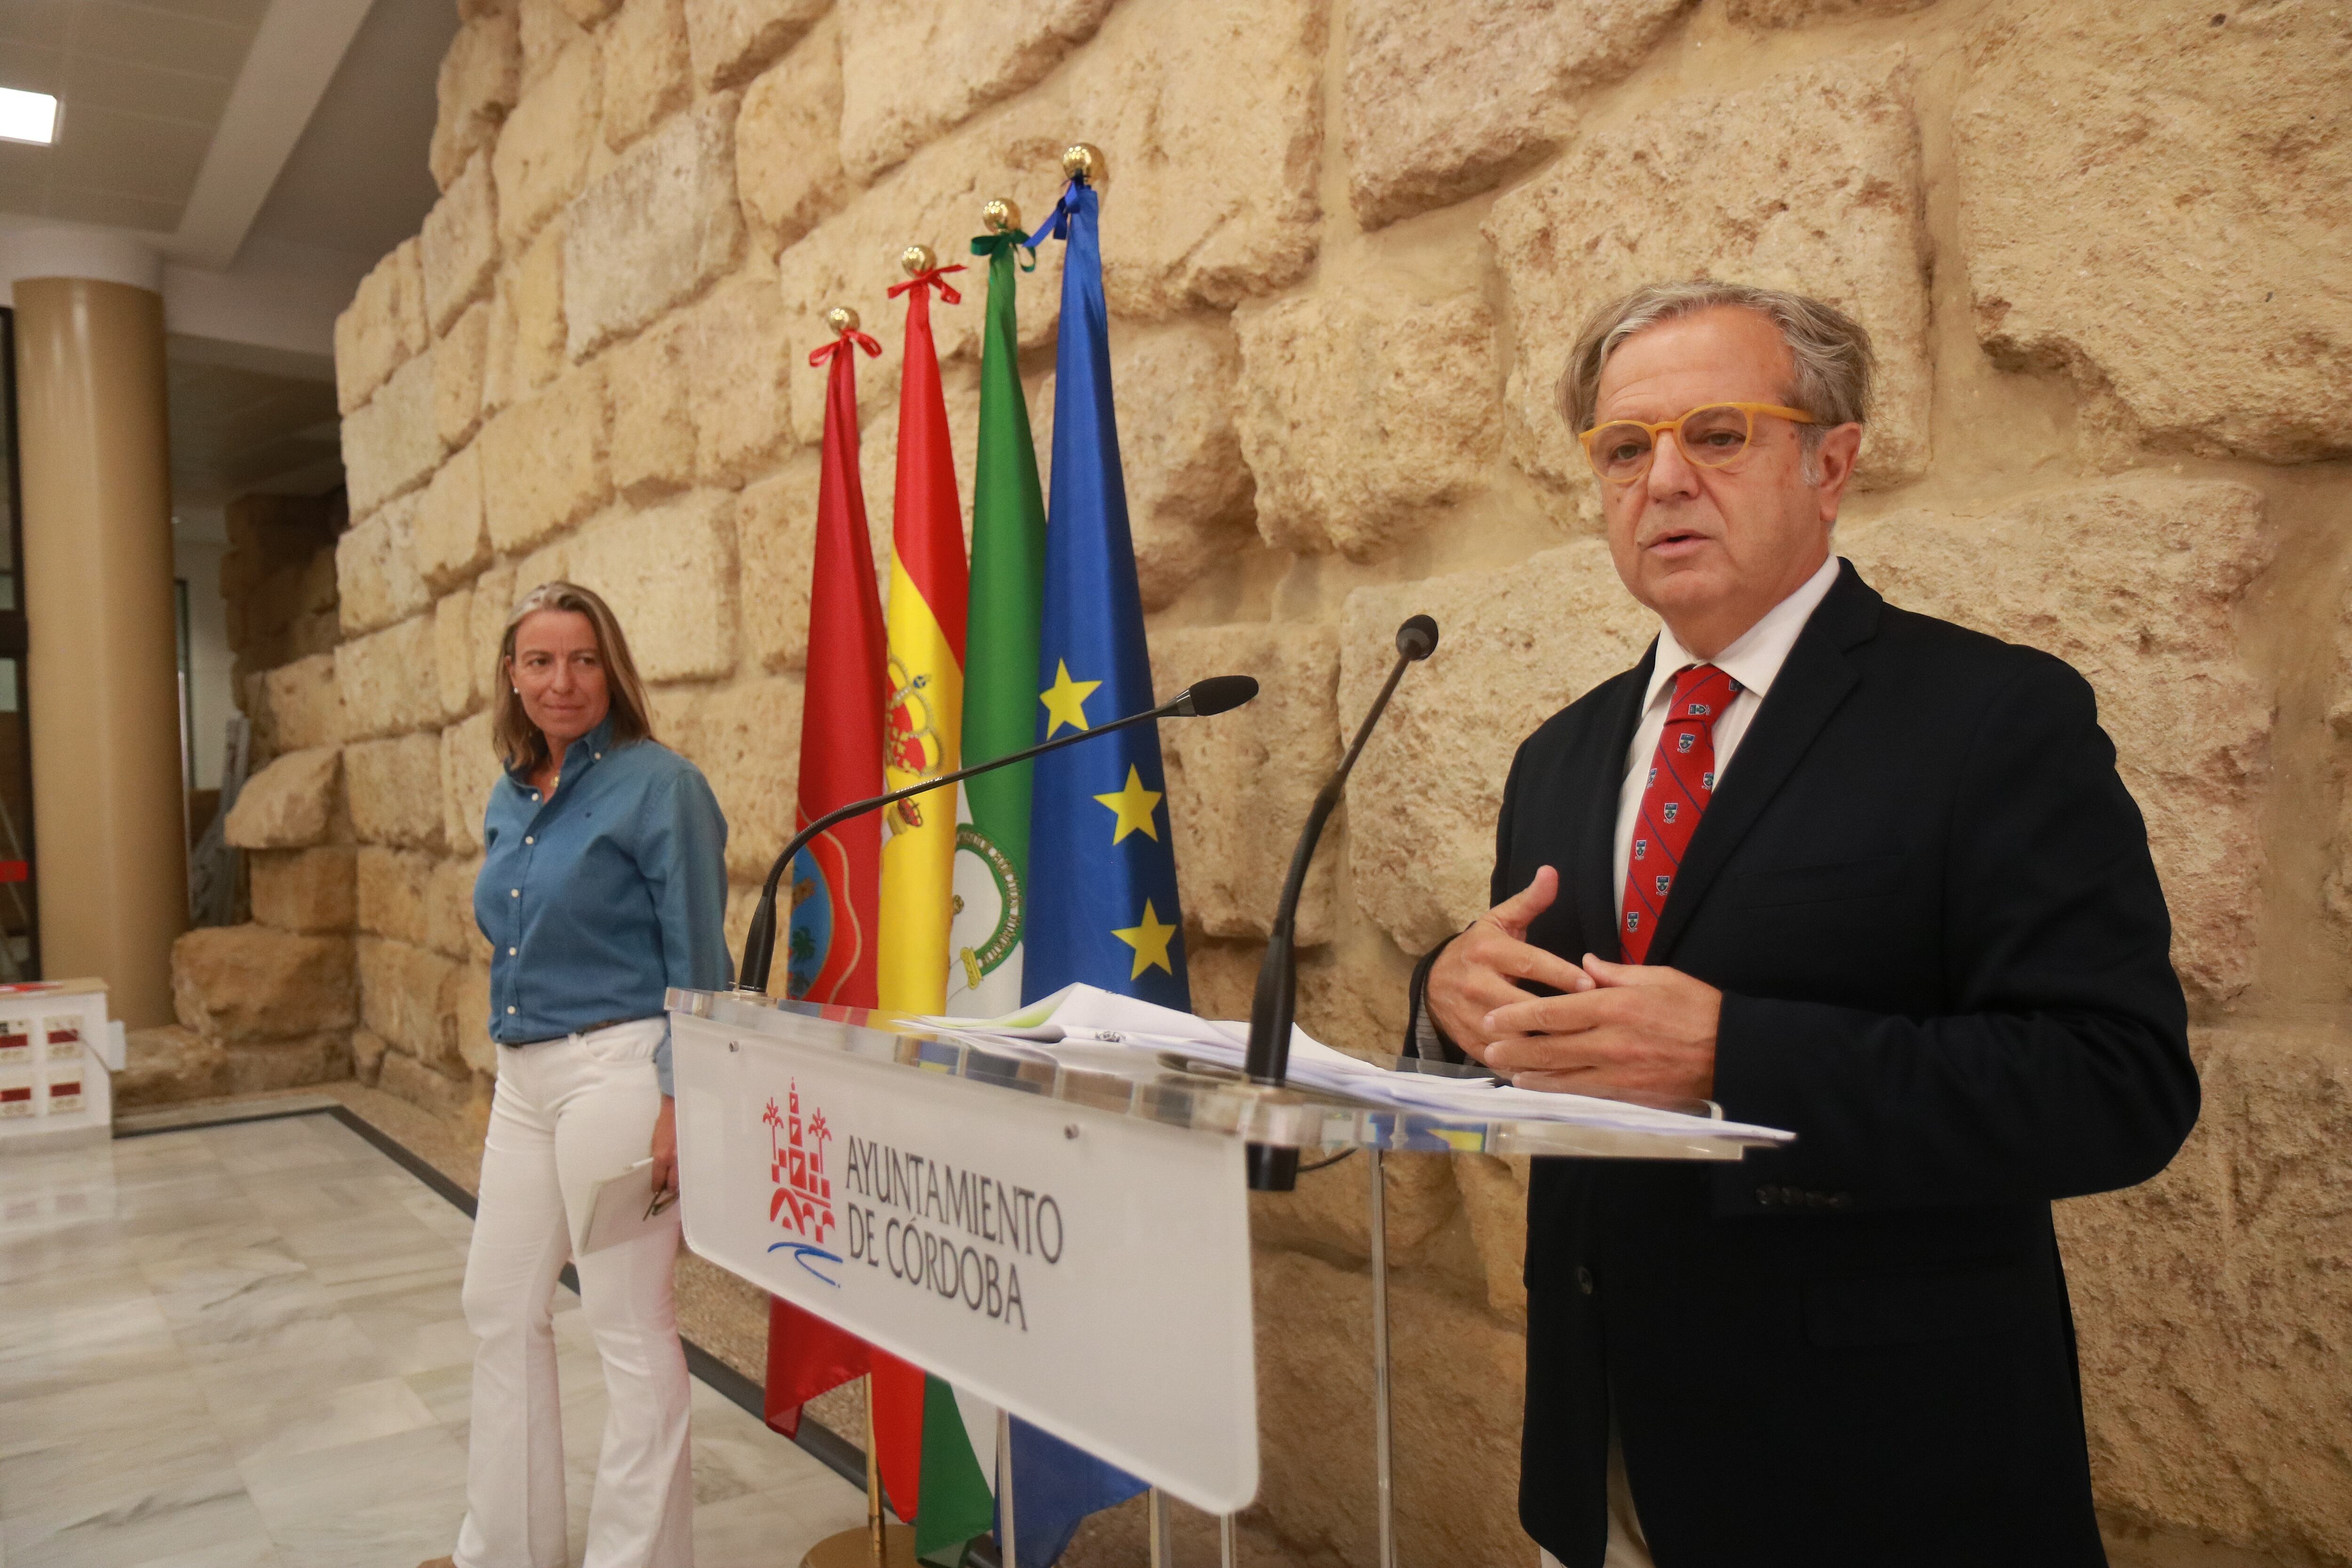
x: 1088, y: 1270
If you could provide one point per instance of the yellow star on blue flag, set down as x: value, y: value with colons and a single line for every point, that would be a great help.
x: 1065, y: 700
x: 1150, y: 938
x: 1134, y: 806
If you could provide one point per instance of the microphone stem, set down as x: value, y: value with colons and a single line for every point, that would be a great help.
x: 760, y: 942
x: 1275, y: 1004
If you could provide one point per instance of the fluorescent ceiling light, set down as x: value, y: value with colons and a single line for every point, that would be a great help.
x: 28, y: 116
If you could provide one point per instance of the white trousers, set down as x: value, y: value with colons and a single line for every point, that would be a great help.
x: 568, y: 1113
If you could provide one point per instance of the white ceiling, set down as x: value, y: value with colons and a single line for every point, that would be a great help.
x: 269, y: 152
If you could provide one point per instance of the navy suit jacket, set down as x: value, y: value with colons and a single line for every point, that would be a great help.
x: 1928, y: 903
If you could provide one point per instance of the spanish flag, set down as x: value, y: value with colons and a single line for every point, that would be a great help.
x: 930, y: 583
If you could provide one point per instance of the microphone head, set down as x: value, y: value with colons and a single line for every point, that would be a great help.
x: 1417, y: 639
x: 1214, y: 695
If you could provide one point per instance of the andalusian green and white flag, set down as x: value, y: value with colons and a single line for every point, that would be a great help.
x: 1000, y: 683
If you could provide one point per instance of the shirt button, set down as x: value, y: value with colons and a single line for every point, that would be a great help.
x: 509, y: 1010
x: 510, y: 952
x: 527, y: 838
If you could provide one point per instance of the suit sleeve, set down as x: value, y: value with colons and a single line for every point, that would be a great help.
x: 1422, y: 1037
x: 2062, y: 1066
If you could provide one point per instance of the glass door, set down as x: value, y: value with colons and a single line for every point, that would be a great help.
x: 20, y: 935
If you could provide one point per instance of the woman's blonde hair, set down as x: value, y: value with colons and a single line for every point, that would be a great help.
x: 518, y: 740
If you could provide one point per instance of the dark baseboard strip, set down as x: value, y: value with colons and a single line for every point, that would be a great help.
x: 817, y: 1439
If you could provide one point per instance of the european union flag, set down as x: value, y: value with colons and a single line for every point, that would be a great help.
x: 1102, y: 866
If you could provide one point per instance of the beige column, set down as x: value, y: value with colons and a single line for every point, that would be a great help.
x: 108, y: 817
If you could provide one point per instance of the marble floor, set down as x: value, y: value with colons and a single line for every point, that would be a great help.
x: 241, y: 1345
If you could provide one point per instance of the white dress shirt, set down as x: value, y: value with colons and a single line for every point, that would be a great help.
x: 1754, y: 661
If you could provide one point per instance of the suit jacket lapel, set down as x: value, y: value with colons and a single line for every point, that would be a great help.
x: 1808, y: 689
x: 1595, y: 829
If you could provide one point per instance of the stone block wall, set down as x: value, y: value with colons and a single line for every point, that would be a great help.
x: 2102, y: 252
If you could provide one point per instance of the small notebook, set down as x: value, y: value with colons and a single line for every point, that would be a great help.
x: 623, y: 1208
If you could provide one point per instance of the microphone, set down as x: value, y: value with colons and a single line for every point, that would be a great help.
x: 1217, y: 694
x: 1273, y: 1170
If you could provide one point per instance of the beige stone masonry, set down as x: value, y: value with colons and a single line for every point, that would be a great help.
x: 381, y: 329
x: 549, y: 29
x: 543, y: 465
x: 747, y: 741
x: 1444, y: 100
x: 382, y: 679
x: 453, y: 680
x: 460, y: 366
x: 788, y: 169
x: 654, y: 230
x: 449, y: 912
x: 480, y: 78
x: 1495, y: 1201
x: 303, y: 889
x: 934, y: 198
x: 395, y: 787
x: 393, y: 443
x: 1797, y: 13
x: 2213, y: 1323
x: 442, y: 1094
x: 648, y: 74
x: 1810, y: 181
x: 731, y: 40
x: 1234, y: 812
x: 459, y: 244
x: 250, y: 982
x: 401, y: 989
x: 650, y: 381
x: 304, y: 706
x: 1188, y: 490
x: 539, y: 308
x: 494, y: 600
x: 453, y: 537
x: 668, y: 572
x: 776, y: 539
x: 915, y: 68
x: 395, y: 894
x: 292, y: 803
x: 1360, y: 413
x: 1514, y: 648
x: 2139, y: 586
x: 376, y: 580
x: 2203, y: 167
x: 542, y: 154
x: 743, y: 360
x: 469, y: 767
x: 588, y: 13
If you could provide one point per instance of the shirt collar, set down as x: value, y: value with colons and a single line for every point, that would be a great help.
x: 1755, y: 657
x: 586, y: 750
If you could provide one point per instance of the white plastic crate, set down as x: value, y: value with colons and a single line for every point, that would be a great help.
x: 54, y: 1041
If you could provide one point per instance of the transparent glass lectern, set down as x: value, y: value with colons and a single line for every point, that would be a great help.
x: 1061, y: 1231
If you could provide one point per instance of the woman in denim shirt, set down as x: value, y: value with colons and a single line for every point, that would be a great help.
x: 604, y: 882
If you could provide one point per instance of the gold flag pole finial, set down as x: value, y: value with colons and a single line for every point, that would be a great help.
x: 1001, y: 215
x: 1083, y: 161
x: 917, y: 259
x: 839, y: 319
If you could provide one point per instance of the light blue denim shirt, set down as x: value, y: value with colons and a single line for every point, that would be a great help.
x: 598, y: 898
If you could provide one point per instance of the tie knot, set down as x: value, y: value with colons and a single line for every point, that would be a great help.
x: 1701, y: 693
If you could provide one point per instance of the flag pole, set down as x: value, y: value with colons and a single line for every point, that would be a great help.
x: 879, y: 1543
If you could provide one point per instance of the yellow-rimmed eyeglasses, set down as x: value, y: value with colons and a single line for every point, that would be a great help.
x: 1710, y: 436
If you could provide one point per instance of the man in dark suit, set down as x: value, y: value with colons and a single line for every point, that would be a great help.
x: 1845, y: 871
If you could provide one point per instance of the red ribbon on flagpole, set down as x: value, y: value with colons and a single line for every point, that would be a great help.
x: 935, y: 278
x: 823, y: 353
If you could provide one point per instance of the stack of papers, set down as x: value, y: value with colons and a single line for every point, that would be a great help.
x: 1081, y: 1021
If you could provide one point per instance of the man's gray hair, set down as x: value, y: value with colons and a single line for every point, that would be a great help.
x: 1832, y: 350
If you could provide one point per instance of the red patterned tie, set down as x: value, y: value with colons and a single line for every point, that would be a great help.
x: 1681, y: 783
